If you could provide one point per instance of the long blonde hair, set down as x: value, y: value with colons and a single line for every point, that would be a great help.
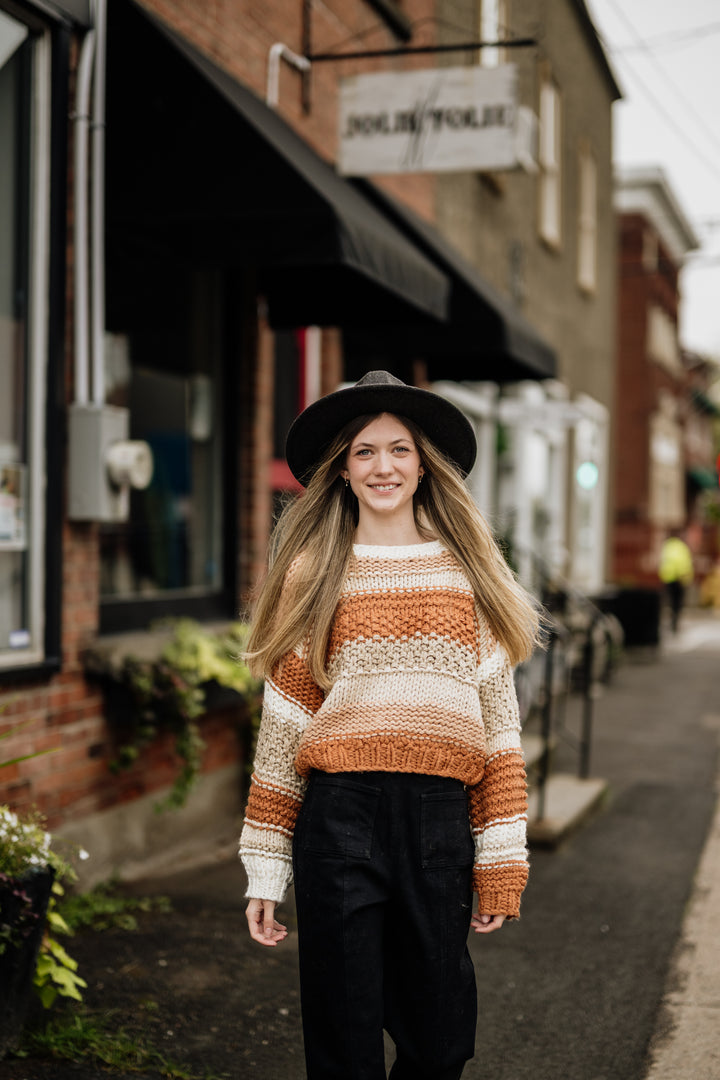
x: 312, y: 545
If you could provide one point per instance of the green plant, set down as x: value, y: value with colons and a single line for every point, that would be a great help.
x: 103, y: 908
x: 25, y: 847
x: 170, y: 693
x: 82, y: 1037
x: 56, y: 971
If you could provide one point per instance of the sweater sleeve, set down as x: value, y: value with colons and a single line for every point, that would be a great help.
x: 498, y: 804
x: 276, y: 791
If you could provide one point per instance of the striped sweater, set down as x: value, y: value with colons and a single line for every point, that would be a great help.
x: 420, y: 685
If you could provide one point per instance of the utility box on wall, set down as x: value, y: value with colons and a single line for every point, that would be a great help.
x: 103, y: 463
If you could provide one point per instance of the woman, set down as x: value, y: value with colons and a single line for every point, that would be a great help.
x: 388, y: 779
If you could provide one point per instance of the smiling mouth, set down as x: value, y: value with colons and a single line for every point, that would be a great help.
x: 384, y: 487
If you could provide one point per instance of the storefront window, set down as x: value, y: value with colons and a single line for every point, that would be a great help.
x: 169, y: 376
x: 23, y: 305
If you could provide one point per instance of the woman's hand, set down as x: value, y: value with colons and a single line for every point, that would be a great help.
x: 261, y: 921
x: 485, y: 924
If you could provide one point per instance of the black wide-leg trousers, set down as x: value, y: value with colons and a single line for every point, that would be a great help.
x: 382, y: 865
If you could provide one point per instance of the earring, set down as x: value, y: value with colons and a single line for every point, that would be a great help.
x: 347, y: 482
x: 420, y: 478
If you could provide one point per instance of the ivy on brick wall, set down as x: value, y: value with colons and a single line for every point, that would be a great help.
x: 167, y: 691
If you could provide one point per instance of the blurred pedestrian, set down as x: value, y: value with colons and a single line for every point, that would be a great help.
x: 676, y: 573
x: 388, y: 777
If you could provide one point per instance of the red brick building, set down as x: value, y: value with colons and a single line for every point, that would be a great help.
x: 663, y: 438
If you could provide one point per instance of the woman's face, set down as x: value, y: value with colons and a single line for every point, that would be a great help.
x: 383, y: 467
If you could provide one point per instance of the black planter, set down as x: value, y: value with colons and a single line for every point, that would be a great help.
x: 23, y: 908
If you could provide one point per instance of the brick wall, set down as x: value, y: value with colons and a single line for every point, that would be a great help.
x: 640, y: 384
x: 238, y: 36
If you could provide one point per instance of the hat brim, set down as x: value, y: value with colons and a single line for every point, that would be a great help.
x: 315, y: 428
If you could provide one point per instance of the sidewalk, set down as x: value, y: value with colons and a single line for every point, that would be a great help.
x: 607, y: 959
x: 687, y: 1038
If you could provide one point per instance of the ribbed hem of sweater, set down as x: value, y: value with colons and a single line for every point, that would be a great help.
x: 269, y: 877
x: 499, y: 890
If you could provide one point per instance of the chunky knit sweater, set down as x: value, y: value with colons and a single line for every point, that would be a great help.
x: 419, y: 685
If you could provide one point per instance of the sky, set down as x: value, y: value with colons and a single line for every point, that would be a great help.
x: 666, y: 59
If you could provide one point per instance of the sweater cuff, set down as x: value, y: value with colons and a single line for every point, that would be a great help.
x: 499, y: 889
x: 269, y: 877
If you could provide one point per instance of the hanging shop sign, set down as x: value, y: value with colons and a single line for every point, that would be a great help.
x: 439, y: 120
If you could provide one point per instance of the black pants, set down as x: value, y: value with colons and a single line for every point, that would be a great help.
x: 676, y: 598
x: 382, y: 865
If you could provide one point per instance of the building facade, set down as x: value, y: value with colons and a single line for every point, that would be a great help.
x: 665, y: 477
x: 544, y: 236
x: 182, y: 269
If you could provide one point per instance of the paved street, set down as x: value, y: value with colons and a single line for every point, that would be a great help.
x: 573, y: 991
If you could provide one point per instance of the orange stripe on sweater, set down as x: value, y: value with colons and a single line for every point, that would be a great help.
x: 272, y: 807
x: 292, y: 679
x: 444, y: 614
x: 503, y: 791
x: 390, y: 753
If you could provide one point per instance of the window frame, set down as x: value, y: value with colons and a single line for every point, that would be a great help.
x: 493, y: 25
x: 550, y: 180
x: 587, y: 220
x: 46, y: 246
x: 135, y: 612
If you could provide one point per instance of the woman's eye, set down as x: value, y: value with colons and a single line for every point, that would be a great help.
x: 403, y: 449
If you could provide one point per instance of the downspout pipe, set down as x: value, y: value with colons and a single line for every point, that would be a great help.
x: 279, y: 52
x: 80, y: 241
x: 97, y: 237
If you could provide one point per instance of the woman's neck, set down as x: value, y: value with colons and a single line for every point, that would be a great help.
x: 387, y: 533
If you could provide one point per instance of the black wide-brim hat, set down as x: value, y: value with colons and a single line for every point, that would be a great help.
x: 378, y: 392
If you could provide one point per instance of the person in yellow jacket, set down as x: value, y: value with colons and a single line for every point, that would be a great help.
x: 676, y: 573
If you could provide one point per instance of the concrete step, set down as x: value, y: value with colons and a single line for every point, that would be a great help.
x: 567, y: 802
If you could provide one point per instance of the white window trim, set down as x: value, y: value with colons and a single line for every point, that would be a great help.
x: 550, y: 161
x: 39, y: 277
x: 494, y: 22
x: 587, y: 220
x: 594, y: 579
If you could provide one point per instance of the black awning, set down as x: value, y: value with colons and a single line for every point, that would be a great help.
x: 204, y: 165
x: 74, y: 11
x: 486, y: 337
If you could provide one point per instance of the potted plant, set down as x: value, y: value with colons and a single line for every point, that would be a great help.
x: 30, y: 871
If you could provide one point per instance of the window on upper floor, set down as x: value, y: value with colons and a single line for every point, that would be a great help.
x: 587, y: 220
x: 662, y: 339
x: 494, y: 26
x: 24, y: 246
x: 549, y: 163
